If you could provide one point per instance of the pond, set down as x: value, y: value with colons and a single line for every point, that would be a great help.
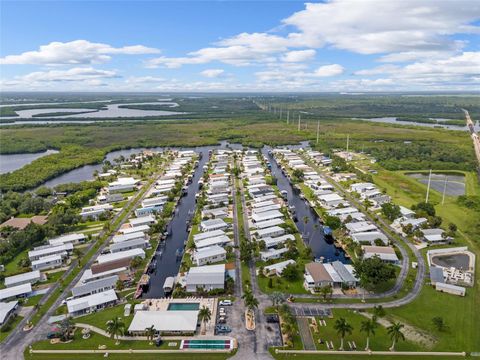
x: 13, y: 162
x: 453, y: 184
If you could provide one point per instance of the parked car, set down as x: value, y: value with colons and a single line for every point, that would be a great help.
x: 225, y: 303
x: 53, y: 335
x: 158, y: 341
x: 223, y: 329
x: 272, y: 318
x: 222, y: 320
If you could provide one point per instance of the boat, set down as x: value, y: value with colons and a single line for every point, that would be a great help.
x: 327, y: 231
x: 284, y: 194
x: 168, y: 285
x: 179, y: 252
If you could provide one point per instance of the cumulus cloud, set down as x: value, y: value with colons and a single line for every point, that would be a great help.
x: 299, y: 55
x: 212, y: 73
x: 329, y: 70
x: 74, y: 52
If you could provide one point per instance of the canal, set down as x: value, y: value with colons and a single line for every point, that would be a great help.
x: 166, y: 258
x: 312, y: 231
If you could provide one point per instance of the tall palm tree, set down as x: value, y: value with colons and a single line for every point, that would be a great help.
x: 150, y: 333
x: 368, y: 327
x: 343, y: 328
x: 395, y: 332
x: 115, y: 328
x: 204, y: 315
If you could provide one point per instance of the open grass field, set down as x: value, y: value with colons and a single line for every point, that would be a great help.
x: 179, y: 356
x: 100, y: 318
x: 380, y: 342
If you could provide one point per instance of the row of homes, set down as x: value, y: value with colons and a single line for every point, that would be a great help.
x: 266, y: 215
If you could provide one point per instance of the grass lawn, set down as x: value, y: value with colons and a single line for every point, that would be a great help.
x: 347, y: 356
x: 100, y: 318
x: 12, y: 268
x: 33, y: 300
x: 53, y: 277
x: 13, y: 325
x: 380, y: 342
x: 179, y: 356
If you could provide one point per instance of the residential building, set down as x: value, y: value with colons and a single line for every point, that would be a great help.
x: 269, y: 232
x: 91, y: 303
x: 48, y: 250
x: 370, y: 236
x: 122, y: 185
x: 128, y: 254
x: 95, y: 211
x: 277, y: 269
x: 385, y: 253
x: 213, y: 224
x: 95, y: 286
x: 265, y: 216
x: 272, y: 254
x: 75, y: 238
x: 7, y: 309
x: 132, y: 236
x: 273, y: 242
x: 209, y: 255
x: 207, y: 277
x: 14, y: 292
x: 450, y: 289
x: 360, y: 227
x: 47, y: 262
x: 165, y: 322
x: 128, y: 245
x: 26, y: 278
x: 144, y: 220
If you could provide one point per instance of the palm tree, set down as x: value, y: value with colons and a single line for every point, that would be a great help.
x: 66, y: 328
x: 368, y: 327
x: 277, y: 298
x: 150, y: 333
x: 325, y: 291
x: 251, y: 303
x: 395, y: 332
x: 204, y: 315
x: 343, y: 328
x: 115, y: 328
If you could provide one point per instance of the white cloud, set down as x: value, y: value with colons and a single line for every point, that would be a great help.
x: 299, y: 55
x: 74, y: 74
x: 377, y: 26
x: 329, y: 70
x: 212, y: 73
x: 74, y: 52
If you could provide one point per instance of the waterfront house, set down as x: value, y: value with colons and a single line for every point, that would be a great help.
x: 209, y: 255
x: 91, y: 303
x: 207, y: 277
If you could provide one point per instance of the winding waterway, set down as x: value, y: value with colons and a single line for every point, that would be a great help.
x: 11, y: 162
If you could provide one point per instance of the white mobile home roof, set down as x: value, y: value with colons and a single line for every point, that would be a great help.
x: 270, y: 230
x: 159, y: 200
x: 29, y: 277
x: 361, y: 226
x: 121, y: 255
x: 343, y: 211
x: 46, y: 259
x: 269, y: 223
x: 67, y: 239
x: 217, y: 240
x: 209, y: 251
x: 94, y: 286
x: 121, y: 238
x: 205, y: 275
x: 165, y: 321
x: 142, y: 220
x: 206, y: 235
x: 267, y: 208
x: 49, y: 250
x: 129, y: 230
x: 278, y: 267
x: 268, y: 215
x: 213, y: 224
x: 89, y: 301
x: 369, y: 236
x: 15, y: 291
x: 263, y: 203
x: 259, y: 199
x: 330, y: 197
x: 5, y: 309
x: 274, y: 241
x: 134, y: 243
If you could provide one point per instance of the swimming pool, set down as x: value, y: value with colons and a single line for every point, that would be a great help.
x: 206, y: 344
x: 183, y: 306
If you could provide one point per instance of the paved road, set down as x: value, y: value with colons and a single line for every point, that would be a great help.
x: 16, y: 343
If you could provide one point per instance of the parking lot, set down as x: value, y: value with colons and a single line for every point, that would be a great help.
x: 305, y: 310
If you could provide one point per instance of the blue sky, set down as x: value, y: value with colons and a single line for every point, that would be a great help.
x: 338, y: 45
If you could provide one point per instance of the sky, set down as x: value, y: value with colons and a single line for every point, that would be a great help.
x: 224, y: 46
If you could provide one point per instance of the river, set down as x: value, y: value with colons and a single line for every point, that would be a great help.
x: 314, y: 237
x: 11, y: 162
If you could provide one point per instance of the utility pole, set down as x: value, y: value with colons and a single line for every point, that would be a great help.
x: 444, y: 190
x: 428, y: 186
x: 348, y: 144
x: 318, y: 130
x: 299, y: 122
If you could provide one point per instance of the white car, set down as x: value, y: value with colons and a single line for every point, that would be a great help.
x: 225, y: 303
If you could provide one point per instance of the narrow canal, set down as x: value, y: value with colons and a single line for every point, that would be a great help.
x: 311, y: 231
x: 166, y: 258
